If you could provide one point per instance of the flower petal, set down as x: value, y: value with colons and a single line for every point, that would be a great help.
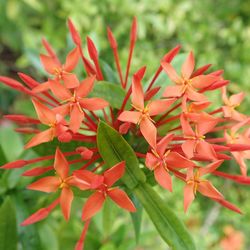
x: 187, y: 129
x: 49, y: 63
x: 92, y: 104
x: 169, y: 69
x: 236, y: 99
x: 70, y: 80
x: 66, y: 199
x: 129, y: 116
x: 188, y: 66
x: 93, y: 205
x: 72, y: 60
x: 61, y: 165
x: 137, y: 93
x: 173, y: 91
x: 205, y: 150
x: 163, y: 143
x: 163, y: 178
x: 113, y: 174
x: 210, y: 168
x: 121, y: 199
x: 148, y: 131
x: 76, y: 117
x: 188, y: 196
x: 159, y: 106
x: 58, y: 90
x: 41, y: 87
x: 47, y: 184
x: 203, y: 81
x: 188, y: 148
x: 151, y: 161
x: 195, y: 96
x: 207, y: 189
x: 45, y: 115
x: 86, y: 86
x: 178, y: 161
x: 42, y: 137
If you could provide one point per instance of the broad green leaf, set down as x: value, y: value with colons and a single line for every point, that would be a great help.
x: 171, y: 229
x: 137, y: 217
x: 48, y: 237
x: 8, y: 227
x: 108, y: 72
x: 11, y: 143
x: 113, y: 149
x: 111, y: 92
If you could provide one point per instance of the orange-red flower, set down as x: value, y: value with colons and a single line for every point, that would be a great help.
x: 102, y: 184
x: 62, y: 181
x: 58, y: 126
x: 75, y: 103
x: 194, y: 183
x: 61, y: 72
x: 143, y: 114
x: 195, y: 143
x: 161, y: 160
x: 230, y: 104
x: 186, y: 83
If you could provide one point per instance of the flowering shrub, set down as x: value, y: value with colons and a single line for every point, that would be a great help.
x: 97, y: 133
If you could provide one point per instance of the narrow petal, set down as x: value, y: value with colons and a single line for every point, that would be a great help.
x: 93, y: 205
x: 137, y: 93
x: 188, y: 66
x: 47, y: 184
x: 49, y: 63
x: 76, y: 117
x: 61, y: 165
x: 86, y: 86
x: 74, y: 181
x: 72, y: 60
x: 59, y: 91
x: 41, y: 87
x: 151, y: 161
x: 163, y: 143
x: 188, y: 148
x: 130, y: 116
x: 228, y: 205
x: 93, y: 104
x: 205, y: 150
x: 66, y: 199
x: 42, y: 137
x: 63, y: 110
x: 163, y: 178
x: 173, y: 91
x: 169, y: 69
x: 176, y: 160
x: 121, y: 199
x: 70, y: 80
x: 45, y: 115
x: 207, y: 189
x: 188, y: 196
x: 113, y: 174
x: 187, y: 129
x: 203, y: 81
x: 210, y: 168
x: 236, y: 99
x: 148, y: 131
x: 159, y: 106
x: 85, y: 175
x: 195, y: 96
x: 206, y: 124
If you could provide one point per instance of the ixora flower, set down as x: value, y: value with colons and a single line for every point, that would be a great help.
x: 108, y: 129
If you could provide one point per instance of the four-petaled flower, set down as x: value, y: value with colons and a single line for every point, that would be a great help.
x: 186, y: 83
x: 102, y: 184
x: 143, y: 114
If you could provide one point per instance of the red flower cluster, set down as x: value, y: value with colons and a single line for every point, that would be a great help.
x: 196, y: 144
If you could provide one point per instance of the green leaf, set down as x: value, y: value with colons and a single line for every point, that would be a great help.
x: 8, y: 227
x: 108, y: 72
x: 113, y: 149
x: 110, y: 92
x: 171, y: 229
x: 136, y: 218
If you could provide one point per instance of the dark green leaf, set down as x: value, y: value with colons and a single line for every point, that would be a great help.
x: 8, y: 227
x: 136, y: 217
x: 171, y: 229
x: 113, y: 149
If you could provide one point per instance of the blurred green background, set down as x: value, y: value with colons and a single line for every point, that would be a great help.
x: 217, y: 31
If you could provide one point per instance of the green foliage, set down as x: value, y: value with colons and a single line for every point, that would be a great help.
x: 8, y: 227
